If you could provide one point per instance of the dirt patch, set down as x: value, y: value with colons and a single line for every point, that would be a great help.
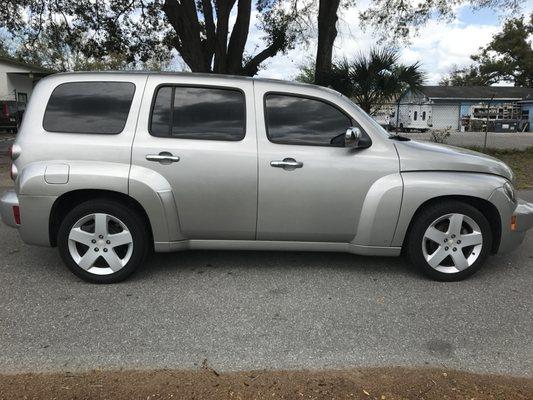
x: 205, y: 384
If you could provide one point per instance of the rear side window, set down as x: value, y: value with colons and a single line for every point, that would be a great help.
x: 304, y: 121
x: 89, y: 107
x: 198, y: 113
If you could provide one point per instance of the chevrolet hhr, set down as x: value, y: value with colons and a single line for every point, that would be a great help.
x: 109, y: 167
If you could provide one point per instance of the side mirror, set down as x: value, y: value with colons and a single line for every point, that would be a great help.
x: 352, y: 137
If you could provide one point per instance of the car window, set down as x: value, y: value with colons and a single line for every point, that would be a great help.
x: 89, y: 107
x: 198, y: 113
x: 304, y: 121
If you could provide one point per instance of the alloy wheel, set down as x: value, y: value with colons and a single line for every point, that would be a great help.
x: 100, y: 244
x: 452, y: 243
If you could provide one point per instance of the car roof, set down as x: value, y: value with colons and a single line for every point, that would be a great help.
x: 207, y: 76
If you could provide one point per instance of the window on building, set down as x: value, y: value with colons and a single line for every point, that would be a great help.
x: 423, y: 115
x: 89, y: 107
x: 304, y: 121
x: 415, y: 116
x: 198, y: 113
x: 22, y: 97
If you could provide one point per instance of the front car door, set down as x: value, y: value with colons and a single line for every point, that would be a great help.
x: 311, y: 187
x: 199, y: 134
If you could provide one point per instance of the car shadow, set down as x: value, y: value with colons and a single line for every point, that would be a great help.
x: 240, y: 262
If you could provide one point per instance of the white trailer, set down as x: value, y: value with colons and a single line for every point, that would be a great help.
x: 413, y: 117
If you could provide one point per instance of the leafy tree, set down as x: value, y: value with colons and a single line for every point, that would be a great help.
x: 141, y: 30
x: 508, y: 57
x: 372, y: 80
x: 394, y: 19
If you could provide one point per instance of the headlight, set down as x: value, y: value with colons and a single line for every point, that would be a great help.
x: 509, y: 191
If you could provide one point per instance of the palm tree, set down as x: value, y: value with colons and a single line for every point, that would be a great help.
x: 373, y: 80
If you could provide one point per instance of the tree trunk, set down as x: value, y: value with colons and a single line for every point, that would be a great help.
x: 327, y: 32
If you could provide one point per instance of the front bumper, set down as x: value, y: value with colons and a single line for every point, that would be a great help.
x: 7, y: 202
x: 524, y: 216
x: 515, y: 226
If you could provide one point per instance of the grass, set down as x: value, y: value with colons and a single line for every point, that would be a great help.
x: 520, y: 161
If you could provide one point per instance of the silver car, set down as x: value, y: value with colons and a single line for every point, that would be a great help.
x: 110, y: 166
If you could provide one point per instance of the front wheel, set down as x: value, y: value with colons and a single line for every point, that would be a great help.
x: 449, y: 241
x: 102, y: 241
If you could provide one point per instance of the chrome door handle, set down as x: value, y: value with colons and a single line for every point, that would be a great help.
x: 163, y: 157
x: 287, y: 163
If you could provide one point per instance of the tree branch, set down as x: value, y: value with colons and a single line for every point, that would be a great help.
x: 209, y: 29
x: 239, y: 35
x: 223, y: 9
x: 252, y: 66
x: 184, y: 19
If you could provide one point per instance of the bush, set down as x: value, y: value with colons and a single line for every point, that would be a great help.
x: 441, y: 135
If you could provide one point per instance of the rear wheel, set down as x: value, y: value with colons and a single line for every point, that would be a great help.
x: 103, y: 241
x: 449, y: 241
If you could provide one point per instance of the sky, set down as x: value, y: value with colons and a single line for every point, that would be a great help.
x: 438, y: 46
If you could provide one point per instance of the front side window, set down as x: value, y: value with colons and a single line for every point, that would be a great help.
x: 198, y: 113
x: 304, y: 121
x: 89, y: 107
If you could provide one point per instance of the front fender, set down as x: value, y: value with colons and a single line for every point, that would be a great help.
x: 420, y: 187
x: 379, y: 213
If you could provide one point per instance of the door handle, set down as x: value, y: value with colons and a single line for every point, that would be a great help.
x: 287, y: 163
x: 164, y: 157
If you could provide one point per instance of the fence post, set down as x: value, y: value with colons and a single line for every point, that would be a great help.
x: 487, y: 124
x: 398, y: 114
x: 16, y: 109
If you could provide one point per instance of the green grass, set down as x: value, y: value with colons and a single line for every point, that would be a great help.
x: 520, y: 161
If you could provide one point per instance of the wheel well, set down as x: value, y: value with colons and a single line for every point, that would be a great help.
x: 66, y: 202
x: 488, y: 209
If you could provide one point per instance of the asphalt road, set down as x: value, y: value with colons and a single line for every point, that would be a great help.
x: 254, y: 310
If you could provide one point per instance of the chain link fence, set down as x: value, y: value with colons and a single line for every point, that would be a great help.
x: 469, y: 123
x: 454, y: 116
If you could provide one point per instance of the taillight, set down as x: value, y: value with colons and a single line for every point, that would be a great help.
x: 14, y: 153
x: 13, y: 172
x: 5, y: 110
x: 16, y: 214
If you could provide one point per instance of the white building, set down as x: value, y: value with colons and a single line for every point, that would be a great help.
x: 17, y: 79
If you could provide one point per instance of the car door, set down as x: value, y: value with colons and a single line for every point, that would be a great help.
x: 311, y: 187
x: 199, y: 134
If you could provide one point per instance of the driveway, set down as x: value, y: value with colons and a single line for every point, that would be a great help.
x: 253, y: 310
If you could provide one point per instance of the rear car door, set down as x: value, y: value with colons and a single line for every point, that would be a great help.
x: 199, y: 134
x: 311, y: 187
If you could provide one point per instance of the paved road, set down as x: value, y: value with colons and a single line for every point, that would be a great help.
x: 250, y: 310
x: 494, y: 139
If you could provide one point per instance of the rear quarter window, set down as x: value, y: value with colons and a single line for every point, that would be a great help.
x: 89, y: 107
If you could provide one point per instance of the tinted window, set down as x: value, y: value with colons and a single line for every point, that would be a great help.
x: 299, y: 120
x: 198, y: 113
x: 89, y: 107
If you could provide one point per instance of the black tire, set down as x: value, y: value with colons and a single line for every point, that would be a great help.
x: 415, y: 238
x: 128, y: 216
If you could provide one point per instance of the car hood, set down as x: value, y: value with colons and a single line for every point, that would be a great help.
x: 425, y: 156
